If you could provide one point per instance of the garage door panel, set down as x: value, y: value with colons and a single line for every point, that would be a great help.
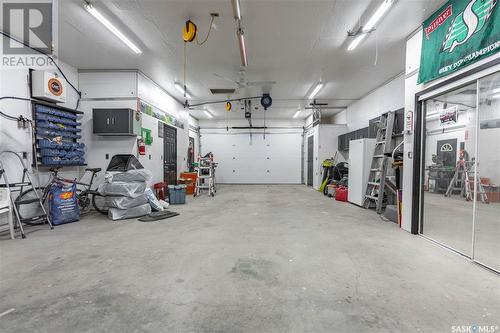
x: 276, y: 159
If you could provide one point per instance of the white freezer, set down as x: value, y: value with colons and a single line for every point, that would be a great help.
x: 360, y: 159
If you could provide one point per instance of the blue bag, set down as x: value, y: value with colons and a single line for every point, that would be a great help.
x: 63, y: 203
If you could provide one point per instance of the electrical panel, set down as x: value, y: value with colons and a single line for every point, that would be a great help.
x: 48, y: 86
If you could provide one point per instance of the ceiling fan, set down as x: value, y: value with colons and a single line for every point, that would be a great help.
x: 242, y: 83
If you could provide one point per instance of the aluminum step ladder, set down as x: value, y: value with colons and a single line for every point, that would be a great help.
x: 206, y: 176
x: 378, y: 182
x: 463, y: 183
x: 26, y: 183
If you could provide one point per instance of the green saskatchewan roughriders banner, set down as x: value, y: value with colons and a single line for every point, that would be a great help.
x: 460, y: 33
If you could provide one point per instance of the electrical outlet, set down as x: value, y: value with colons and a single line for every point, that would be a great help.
x: 25, y: 155
x: 107, y: 156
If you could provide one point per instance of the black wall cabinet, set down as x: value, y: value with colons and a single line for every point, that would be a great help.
x: 354, y: 135
x: 126, y: 122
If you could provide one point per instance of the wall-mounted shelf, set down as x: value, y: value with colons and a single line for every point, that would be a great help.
x: 57, y: 135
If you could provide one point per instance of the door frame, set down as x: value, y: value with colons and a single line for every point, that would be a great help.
x: 463, y: 79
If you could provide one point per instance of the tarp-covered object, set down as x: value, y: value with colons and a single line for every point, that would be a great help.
x: 124, y: 162
x: 131, y: 190
x: 130, y: 213
x: 141, y: 175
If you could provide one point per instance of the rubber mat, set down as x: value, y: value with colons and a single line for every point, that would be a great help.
x: 157, y: 216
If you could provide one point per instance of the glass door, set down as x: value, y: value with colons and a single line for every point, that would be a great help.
x: 487, y: 212
x: 448, y: 160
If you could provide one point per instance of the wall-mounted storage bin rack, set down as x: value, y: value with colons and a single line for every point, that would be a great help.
x: 57, y: 135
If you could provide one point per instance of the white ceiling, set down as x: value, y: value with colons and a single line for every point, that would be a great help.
x: 289, y: 41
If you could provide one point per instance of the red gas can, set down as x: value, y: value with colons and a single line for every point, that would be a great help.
x: 341, y: 194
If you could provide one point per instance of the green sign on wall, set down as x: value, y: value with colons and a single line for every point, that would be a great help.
x: 460, y: 33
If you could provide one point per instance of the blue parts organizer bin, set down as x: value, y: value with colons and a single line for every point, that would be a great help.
x: 177, y: 194
x: 56, y: 121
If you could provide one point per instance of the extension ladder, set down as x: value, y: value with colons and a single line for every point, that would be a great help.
x: 25, y: 184
x: 378, y: 182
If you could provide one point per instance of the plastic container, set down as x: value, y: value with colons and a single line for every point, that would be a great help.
x: 190, y: 181
x: 332, y: 188
x: 159, y: 189
x: 177, y: 194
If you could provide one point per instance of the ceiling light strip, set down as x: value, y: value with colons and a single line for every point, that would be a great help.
x: 384, y: 7
x: 243, y: 48
x: 112, y: 28
x: 316, y: 90
x: 236, y: 9
x: 372, y: 22
x: 356, y: 42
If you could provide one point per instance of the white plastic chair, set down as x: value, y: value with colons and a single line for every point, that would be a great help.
x: 5, y: 208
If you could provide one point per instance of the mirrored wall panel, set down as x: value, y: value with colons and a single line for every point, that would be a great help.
x: 449, y: 162
x: 487, y: 213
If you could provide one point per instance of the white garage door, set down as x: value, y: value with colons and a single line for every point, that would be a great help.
x: 273, y: 160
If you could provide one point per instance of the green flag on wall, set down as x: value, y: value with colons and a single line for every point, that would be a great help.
x: 460, y: 33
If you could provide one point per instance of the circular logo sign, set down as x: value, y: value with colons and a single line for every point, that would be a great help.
x: 55, y: 87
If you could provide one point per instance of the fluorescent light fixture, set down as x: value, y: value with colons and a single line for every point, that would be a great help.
x: 243, y: 48
x: 208, y: 114
x: 297, y: 113
x: 497, y: 96
x: 236, y: 9
x: 112, y: 28
x: 372, y: 22
x: 316, y: 90
x: 180, y: 88
x: 356, y: 42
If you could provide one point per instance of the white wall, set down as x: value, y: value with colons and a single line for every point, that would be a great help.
x: 413, y: 52
x: 194, y: 133
x: 325, y: 147
x: 120, y: 89
x: 388, y: 97
x: 14, y: 82
x: 153, y: 94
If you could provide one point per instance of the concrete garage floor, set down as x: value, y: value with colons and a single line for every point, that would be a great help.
x: 252, y: 259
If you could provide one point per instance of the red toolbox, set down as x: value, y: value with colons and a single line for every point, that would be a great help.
x: 341, y: 194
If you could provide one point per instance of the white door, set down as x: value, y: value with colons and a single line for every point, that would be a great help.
x: 273, y: 160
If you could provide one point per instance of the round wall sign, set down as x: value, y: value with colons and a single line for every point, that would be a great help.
x: 266, y: 101
x: 55, y: 87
